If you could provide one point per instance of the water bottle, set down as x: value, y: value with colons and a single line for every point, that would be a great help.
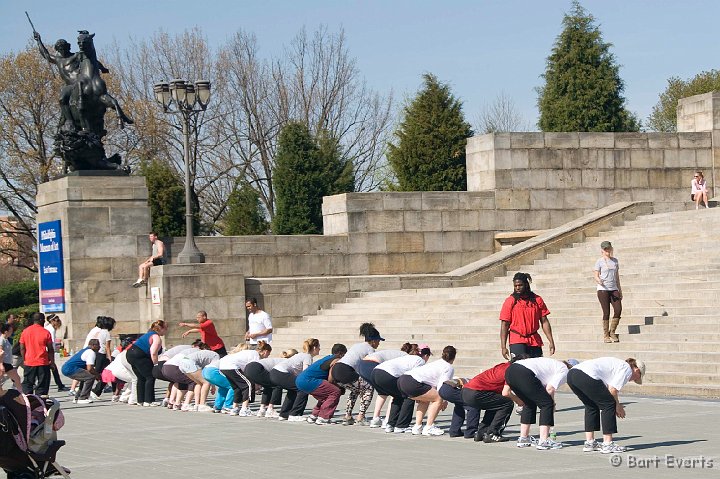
x: 553, y: 434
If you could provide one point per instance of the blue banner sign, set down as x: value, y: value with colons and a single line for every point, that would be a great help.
x: 52, y: 279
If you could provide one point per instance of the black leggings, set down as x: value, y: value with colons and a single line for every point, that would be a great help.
x: 606, y: 299
x: 239, y: 383
x: 142, y: 366
x: 55, y: 373
x: 401, y: 409
x: 498, y: 408
x: 522, y: 349
x: 528, y: 387
x: 599, y: 403
x: 256, y: 373
x: 295, y: 400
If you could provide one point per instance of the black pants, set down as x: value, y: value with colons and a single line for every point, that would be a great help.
x: 101, y: 362
x: 239, y: 383
x: 222, y: 352
x: 142, y: 366
x: 606, y: 299
x: 462, y: 412
x: 344, y: 374
x: 528, y: 387
x: 523, y: 349
x: 497, y: 407
x: 295, y: 400
x: 599, y: 403
x: 56, y: 376
x: 33, y: 374
x: 401, y: 409
x: 256, y: 373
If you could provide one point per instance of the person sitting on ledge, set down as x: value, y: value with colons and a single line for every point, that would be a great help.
x: 157, y: 259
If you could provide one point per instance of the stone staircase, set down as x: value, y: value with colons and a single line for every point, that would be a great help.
x: 669, y: 267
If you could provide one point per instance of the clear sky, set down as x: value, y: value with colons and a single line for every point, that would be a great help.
x: 481, y: 48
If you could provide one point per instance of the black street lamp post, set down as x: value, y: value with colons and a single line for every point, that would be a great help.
x: 186, y: 100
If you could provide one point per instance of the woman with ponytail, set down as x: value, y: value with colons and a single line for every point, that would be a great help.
x: 345, y: 374
x: 284, y: 374
x: 142, y: 356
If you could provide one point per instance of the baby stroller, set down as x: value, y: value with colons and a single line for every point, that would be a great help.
x: 28, y: 436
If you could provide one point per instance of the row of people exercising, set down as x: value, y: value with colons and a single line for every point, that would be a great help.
x: 404, y: 375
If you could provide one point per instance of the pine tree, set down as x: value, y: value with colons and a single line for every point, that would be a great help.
x: 430, y: 151
x: 583, y: 88
x: 664, y: 113
x: 338, y: 172
x: 298, y: 183
x: 244, y: 214
x: 166, y: 198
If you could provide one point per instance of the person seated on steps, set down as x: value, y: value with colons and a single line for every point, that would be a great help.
x: 156, y: 259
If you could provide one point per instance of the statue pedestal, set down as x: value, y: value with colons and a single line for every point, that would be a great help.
x: 105, y: 221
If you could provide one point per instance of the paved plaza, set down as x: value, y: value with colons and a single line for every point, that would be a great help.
x: 116, y: 440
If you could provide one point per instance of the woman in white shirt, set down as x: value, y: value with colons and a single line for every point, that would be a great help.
x: 284, y: 374
x: 344, y: 374
x: 259, y: 373
x: 101, y: 332
x: 534, y: 382
x: 232, y: 367
x: 385, y: 378
x: 53, y: 324
x: 422, y: 384
x: 596, y: 383
x: 192, y: 365
x: 699, y: 190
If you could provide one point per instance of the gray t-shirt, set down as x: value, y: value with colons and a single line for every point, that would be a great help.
x: 7, y: 351
x: 355, y: 354
x: 608, y: 269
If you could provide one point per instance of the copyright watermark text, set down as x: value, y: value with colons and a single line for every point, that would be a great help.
x: 668, y: 461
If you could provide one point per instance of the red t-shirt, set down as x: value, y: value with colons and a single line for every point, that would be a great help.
x: 524, y: 318
x: 209, y: 335
x: 36, y: 338
x: 491, y: 380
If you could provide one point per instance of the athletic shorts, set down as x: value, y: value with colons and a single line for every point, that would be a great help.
x: 410, y: 387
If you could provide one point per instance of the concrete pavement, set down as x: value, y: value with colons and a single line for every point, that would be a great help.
x: 116, y: 440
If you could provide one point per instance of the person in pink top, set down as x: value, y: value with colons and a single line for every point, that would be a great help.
x: 699, y: 190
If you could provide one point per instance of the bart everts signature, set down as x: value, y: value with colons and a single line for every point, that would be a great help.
x: 668, y: 461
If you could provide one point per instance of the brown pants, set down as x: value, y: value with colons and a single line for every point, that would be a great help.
x: 605, y: 298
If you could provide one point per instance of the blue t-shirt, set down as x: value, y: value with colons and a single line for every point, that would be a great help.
x: 75, y: 363
x: 311, y: 379
x: 143, y: 342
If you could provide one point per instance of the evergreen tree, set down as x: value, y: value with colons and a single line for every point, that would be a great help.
x: 664, y: 114
x: 166, y: 197
x: 244, y: 214
x: 298, y: 182
x: 430, y: 151
x: 338, y: 172
x: 583, y: 88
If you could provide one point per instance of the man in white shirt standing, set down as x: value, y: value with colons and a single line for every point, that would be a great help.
x: 259, y: 324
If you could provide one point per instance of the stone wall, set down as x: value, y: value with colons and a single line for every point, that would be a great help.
x: 561, y: 176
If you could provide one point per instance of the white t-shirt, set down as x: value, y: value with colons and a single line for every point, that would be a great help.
x: 51, y: 329
x: 385, y: 355
x: 611, y: 371
x: 89, y: 357
x: 549, y: 371
x: 238, y: 360
x: 197, y: 359
x: 399, y: 366
x: 172, y: 352
x: 608, y: 269
x: 295, y: 365
x: 269, y: 363
x: 117, y: 366
x: 102, y: 335
x: 355, y: 354
x: 258, y: 322
x: 434, y: 373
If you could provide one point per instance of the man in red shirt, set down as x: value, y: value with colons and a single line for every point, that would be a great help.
x: 521, y: 316
x: 208, y: 334
x: 36, y: 348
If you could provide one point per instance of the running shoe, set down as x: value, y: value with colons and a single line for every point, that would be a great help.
x: 432, y: 430
x: 612, y: 448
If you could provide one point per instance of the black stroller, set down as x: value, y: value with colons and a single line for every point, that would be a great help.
x: 28, y: 436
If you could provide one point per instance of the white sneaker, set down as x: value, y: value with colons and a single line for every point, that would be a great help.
x: 245, y: 413
x: 203, y: 408
x: 432, y: 430
x: 185, y: 407
x: 280, y: 418
x: 234, y: 411
x: 591, y: 446
x: 384, y: 423
x: 84, y: 401
x: 122, y: 399
x: 296, y: 419
x: 402, y: 430
x: 272, y: 414
x: 115, y: 399
x: 261, y: 412
x: 165, y: 402
x: 548, y: 444
x: 132, y: 403
x: 388, y: 428
x: 612, y: 448
x: 417, y: 430
x: 322, y: 422
x: 311, y: 419
x: 94, y: 396
x: 376, y: 422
